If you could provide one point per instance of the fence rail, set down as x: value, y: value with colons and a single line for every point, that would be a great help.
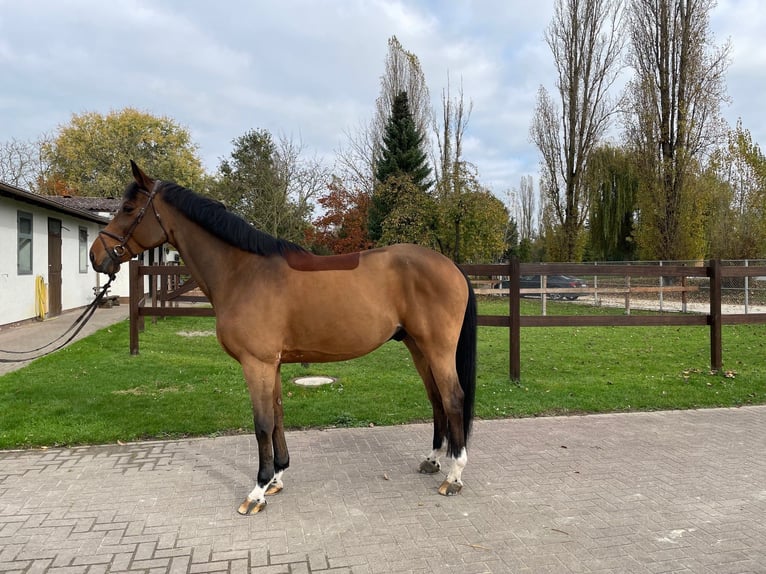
x: 167, y: 290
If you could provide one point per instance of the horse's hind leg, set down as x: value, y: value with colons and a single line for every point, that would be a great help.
x: 431, y: 463
x: 446, y: 381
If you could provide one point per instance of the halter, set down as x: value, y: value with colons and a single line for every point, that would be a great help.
x: 117, y: 252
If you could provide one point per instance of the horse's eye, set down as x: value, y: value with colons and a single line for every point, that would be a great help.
x: 127, y: 209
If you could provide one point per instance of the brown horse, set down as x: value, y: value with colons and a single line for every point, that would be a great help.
x: 277, y: 303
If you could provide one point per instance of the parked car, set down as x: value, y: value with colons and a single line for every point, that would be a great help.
x: 552, y: 282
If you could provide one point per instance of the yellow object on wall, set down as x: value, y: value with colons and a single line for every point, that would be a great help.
x: 41, y: 298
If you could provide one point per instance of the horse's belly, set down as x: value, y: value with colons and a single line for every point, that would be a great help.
x: 329, y: 343
x: 299, y: 356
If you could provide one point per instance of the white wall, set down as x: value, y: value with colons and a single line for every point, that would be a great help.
x: 17, y: 292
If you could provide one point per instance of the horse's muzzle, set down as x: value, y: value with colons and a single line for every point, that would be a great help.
x: 106, y: 264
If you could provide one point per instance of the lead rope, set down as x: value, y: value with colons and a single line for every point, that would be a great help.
x: 79, y: 323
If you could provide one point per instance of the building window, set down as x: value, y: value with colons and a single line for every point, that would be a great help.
x: 83, y: 234
x: 24, y: 249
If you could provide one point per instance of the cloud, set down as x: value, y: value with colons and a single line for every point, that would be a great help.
x: 742, y: 22
x: 306, y: 69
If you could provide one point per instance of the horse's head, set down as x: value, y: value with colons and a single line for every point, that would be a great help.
x: 130, y: 232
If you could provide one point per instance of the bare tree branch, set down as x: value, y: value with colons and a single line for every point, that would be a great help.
x: 585, y: 40
x: 675, y: 101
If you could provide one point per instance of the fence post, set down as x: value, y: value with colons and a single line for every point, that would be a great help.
x: 154, y: 283
x: 514, y: 301
x: 595, y: 285
x: 714, y: 272
x: 134, y: 293
x: 747, y: 288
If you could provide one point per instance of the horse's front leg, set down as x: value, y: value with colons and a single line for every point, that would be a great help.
x: 261, y: 379
x: 281, y: 455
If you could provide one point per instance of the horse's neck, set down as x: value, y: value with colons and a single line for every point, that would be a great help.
x: 209, y: 259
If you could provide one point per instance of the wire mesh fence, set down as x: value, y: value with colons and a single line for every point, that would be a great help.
x: 741, y: 294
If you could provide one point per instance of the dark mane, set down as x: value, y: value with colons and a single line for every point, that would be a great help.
x: 213, y: 216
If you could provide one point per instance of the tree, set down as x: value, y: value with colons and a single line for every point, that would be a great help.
x: 453, y: 175
x: 343, y: 226
x: 305, y: 178
x: 402, y: 74
x: 91, y: 155
x: 584, y: 37
x: 269, y: 184
x: 472, y: 225
x: 523, y: 202
x: 401, y: 154
x: 356, y: 161
x: 513, y: 246
x: 736, y: 179
x: 613, y: 186
x: 402, y: 150
x: 675, y: 100
x: 486, y: 232
x: 21, y: 163
x: 412, y: 214
x: 526, y: 208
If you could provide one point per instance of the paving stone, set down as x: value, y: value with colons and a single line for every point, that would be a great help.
x: 637, y: 493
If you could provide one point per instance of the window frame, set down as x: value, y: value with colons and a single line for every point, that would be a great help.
x: 82, y: 250
x: 25, y: 241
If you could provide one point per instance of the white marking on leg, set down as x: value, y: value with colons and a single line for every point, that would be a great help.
x: 458, y: 465
x: 437, y: 453
x: 275, y: 485
x: 431, y: 464
x: 258, y: 494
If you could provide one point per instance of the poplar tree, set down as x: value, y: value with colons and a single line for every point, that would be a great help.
x: 584, y: 38
x: 675, y: 99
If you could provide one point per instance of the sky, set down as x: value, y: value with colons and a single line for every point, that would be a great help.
x: 309, y: 70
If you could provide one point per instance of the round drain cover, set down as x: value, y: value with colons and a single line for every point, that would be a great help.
x: 315, y: 381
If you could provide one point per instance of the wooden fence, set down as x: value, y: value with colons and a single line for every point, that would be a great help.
x: 167, y: 290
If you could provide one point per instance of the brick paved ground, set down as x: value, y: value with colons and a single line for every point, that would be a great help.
x: 642, y: 493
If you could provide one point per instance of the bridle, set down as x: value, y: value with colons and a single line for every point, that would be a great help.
x: 117, y: 252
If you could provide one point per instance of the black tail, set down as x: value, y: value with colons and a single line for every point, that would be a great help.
x: 465, y: 360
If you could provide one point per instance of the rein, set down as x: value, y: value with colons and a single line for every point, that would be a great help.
x: 72, y: 331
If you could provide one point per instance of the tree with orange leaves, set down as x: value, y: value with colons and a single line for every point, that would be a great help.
x: 343, y: 226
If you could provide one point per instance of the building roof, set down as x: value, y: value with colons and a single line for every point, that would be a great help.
x: 105, y: 206
x: 78, y: 208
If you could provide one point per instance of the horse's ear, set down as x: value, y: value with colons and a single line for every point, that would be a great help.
x: 141, y: 178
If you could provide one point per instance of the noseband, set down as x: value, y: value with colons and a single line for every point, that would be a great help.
x: 117, y: 252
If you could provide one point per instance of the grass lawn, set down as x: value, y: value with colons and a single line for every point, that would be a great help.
x: 183, y: 384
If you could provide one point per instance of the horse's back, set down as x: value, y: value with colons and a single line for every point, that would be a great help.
x: 422, y: 266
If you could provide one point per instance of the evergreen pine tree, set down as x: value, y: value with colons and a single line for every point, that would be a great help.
x: 402, y: 152
x: 402, y: 155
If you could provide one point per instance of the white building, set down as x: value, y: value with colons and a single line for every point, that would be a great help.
x: 44, y: 255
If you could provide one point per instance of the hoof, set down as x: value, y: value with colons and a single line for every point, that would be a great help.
x: 251, y: 507
x: 274, y: 488
x: 450, y: 488
x: 430, y: 466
